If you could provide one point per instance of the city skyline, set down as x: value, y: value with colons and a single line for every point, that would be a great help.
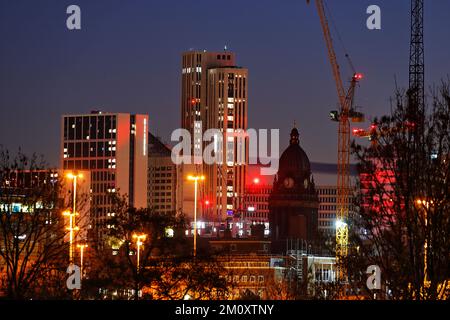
x: 64, y: 72
x: 274, y: 187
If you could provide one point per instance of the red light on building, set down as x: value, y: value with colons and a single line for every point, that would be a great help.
x: 358, y: 76
x: 207, y: 202
x: 358, y: 132
x: 193, y: 101
x: 256, y: 180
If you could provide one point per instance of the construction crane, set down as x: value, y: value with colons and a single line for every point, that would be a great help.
x: 343, y: 116
x: 416, y: 91
x: 417, y: 62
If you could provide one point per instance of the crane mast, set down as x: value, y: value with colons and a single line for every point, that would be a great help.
x: 417, y: 60
x: 343, y: 117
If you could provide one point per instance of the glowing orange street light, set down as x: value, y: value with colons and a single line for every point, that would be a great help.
x: 256, y: 180
x: 71, y: 229
x: 195, y: 179
x: 140, y: 238
x: 72, y: 224
x: 426, y: 204
x: 81, y: 247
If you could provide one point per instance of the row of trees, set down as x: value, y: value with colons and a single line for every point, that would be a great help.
x: 167, y: 269
x: 34, y: 245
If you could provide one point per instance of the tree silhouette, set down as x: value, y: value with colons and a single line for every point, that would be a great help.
x: 403, y: 224
x: 33, y: 253
x: 167, y: 270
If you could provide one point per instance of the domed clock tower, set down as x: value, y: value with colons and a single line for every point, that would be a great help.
x: 293, y: 203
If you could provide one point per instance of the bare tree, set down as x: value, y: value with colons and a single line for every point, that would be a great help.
x: 33, y: 253
x: 403, y: 225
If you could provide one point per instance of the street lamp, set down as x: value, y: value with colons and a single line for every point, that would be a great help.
x: 195, y: 179
x: 71, y: 229
x: 72, y: 224
x: 74, y: 177
x: 139, y: 238
x: 426, y: 204
x: 81, y: 247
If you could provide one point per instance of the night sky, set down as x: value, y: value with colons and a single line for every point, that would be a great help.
x: 127, y: 58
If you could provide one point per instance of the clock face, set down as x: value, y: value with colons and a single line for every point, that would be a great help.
x: 288, y: 183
